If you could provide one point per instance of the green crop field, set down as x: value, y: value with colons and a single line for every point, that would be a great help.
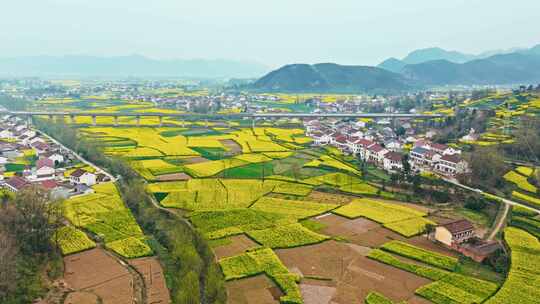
x: 420, y: 254
x: 263, y: 261
x: 72, y: 240
x: 292, y: 235
x: 523, y: 282
x: 104, y: 214
x: 297, y: 209
x: 401, y: 219
x: 462, y: 287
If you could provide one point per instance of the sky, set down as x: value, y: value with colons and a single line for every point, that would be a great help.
x: 272, y: 32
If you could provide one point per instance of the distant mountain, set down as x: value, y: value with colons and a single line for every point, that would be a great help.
x: 436, y: 53
x: 134, y: 65
x: 330, y: 77
x: 521, y: 67
x: 431, y: 54
x: 392, y: 65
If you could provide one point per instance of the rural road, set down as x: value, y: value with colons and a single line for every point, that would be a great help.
x: 500, y: 222
x: 507, y: 204
x: 80, y: 158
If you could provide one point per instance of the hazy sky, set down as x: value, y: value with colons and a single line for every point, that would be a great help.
x: 273, y: 32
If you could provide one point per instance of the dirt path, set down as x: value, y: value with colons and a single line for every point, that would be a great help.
x: 500, y: 222
x: 503, y: 200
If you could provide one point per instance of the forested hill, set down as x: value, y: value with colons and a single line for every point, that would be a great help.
x: 330, y: 77
x: 499, y: 69
x: 513, y: 68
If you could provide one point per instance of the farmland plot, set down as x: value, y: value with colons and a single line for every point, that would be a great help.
x: 104, y: 214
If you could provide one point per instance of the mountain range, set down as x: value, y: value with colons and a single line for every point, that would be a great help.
x: 420, y: 69
x: 122, y: 66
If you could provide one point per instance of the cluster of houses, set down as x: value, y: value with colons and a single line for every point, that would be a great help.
x: 382, y: 147
x: 49, y: 165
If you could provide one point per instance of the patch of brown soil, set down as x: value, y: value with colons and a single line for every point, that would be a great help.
x: 254, y: 290
x: 316, y: 294
x: 154, y: 280
x: 194, y: 160
x: 239, y: 244
x: 232, y: 146
x: 97, y: 272
x: 354, y: 274
x: 423, y: 242
x: 173, y: 177
x: 329, y: 198
x: 340, y: 226
x: 81, y: 297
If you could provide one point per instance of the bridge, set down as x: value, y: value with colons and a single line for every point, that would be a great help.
x: 253, y: 116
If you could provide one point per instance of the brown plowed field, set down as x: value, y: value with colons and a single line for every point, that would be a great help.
x: 239, y: 244
x: 154, y: 280
x: 353, y: 274
x: 255, y: 290
x: 96, y: 272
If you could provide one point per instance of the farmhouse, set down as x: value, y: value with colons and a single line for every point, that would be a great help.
x: 451, y: 165
x: 454, y: 233
x: 81, y: 176
x: 16, y: 183
x: 392, y: 161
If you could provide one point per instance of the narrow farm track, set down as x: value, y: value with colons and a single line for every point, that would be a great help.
x: 500, y: 223
x: 504, y: 200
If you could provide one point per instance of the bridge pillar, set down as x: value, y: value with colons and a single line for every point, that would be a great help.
x: 115, y: 121
x: 206, y: 123
x: 72, y: 119
x: 50, y: 117
x: 28, y: 120
x: 94, y: 120
x: 160, y: 121
x: 138, y: 120
x: 253, y: 123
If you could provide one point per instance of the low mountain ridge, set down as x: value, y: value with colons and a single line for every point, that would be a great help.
x: 331, y: 77
x: 498, y: 69
x: 121, y: 66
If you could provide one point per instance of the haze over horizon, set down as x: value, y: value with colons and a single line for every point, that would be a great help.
x: 274, y: 33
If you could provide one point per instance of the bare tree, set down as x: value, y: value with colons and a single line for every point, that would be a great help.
x: 35, y: 220
x: 8, y: 270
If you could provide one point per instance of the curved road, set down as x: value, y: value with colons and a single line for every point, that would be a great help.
x: 505, y: 201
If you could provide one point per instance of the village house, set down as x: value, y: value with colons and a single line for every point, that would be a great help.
x: 392, y: 162
x: 376, y: 153
x: 451, y: 165
x: 44, y: 169
x: 81, y: 176
x: 56, y: 157
x: 16, y: 183
x: 454, y: 233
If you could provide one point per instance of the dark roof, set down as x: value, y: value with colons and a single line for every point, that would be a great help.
x: 18, y: 182
x: 458, y: 226
x: 376, y: 148
x: 49, y: 184
x: 440, y: 147
x: 451, y: 158
x: 45, y: 162
x: 393, y: 156
x: 78, y: 173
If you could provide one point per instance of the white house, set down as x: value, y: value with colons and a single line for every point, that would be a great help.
x: 81, y: 176
x: 392, y: 162
x: 451, y: 165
